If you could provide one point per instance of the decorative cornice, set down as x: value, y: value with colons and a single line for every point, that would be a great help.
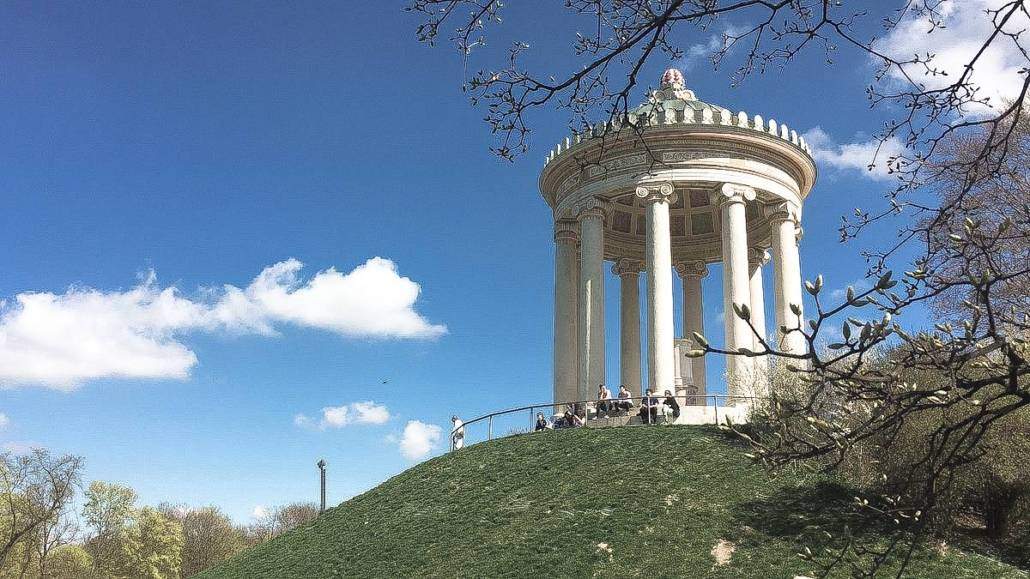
x: 616, y: 164
x: 757, y: 256
x: 692, y: 269
x: 661, y: 193
x: 594, y: 207
x: 566, y: 231
x: 729, y: 193
x: 625, y: 266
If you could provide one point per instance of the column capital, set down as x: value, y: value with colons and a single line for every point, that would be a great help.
x: 594, y: 207
x: 659, y: 193
x: 783, y: 211
x: 566, y: 231
x: 729, y: 193
x: 692, y: 269
x: 757, y: 256
x: 624, y: 266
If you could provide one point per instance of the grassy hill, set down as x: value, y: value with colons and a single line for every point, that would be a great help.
x: 635, y: 501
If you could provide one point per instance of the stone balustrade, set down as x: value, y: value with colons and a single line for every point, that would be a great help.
x: 685, y: 117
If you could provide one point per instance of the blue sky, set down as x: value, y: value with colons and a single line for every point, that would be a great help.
x: 193, y: 146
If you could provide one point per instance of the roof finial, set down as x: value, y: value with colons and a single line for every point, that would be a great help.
x: 673, y: 78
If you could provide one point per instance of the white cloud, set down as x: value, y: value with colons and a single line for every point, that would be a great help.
x: 370, y: 413
x: 19, y: 446
x: 62, y: 340
x: 335, y: 417
x: 868, y: 156
x: 419, y: 439
x: 4, y: 420
x: 339, y: 416
x: 260, y: 512
x: 967, y: 26
x: 371, y: 301
x: 705, y: 50
x: 860, y: 285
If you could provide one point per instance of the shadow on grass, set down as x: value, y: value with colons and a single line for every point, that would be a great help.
x: 819, y: 516
x: 809, y: 510
x: 805, y: 514
x: 1015, y: 550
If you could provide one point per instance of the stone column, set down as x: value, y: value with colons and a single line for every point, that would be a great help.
x: 628, y: 271
x: 566, y: 296
x: 783, y: 218
x: 757, y: 257
x: 658, y: 253
x: 730, y: 198
x: 691, y: 274
x: 591, y: 297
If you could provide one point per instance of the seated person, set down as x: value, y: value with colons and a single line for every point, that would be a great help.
x: 671, y: 405
x: 541, y: 422
x: 649, y: 408
x: 571, y: 420
x: 604, y: 402
x: 624, y: 403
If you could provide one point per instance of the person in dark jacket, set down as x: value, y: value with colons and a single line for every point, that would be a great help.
x: 541, y: 422
x: 649, y: 408
x: 670, y: 402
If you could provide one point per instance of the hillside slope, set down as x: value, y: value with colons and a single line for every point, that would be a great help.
x: 617, y: 502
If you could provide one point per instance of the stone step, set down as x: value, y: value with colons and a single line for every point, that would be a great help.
x: 618, y: 419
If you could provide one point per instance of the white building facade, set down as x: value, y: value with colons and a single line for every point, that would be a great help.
x: 676, y: 186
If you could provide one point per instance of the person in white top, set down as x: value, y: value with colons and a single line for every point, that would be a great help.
x: 604, y: 400
x: 457, y: 433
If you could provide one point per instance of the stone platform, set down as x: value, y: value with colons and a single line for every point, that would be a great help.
x: 688, y: 415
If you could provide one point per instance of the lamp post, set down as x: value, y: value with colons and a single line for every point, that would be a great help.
x: 321, y: 467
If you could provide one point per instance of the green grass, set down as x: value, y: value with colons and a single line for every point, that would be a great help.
x: 660, y: 498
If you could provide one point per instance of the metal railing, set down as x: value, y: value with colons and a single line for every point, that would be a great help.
x: 515, y: 419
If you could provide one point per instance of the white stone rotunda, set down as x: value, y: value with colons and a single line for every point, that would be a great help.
x: 695, y: 185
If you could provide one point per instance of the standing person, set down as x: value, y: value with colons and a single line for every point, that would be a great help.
x: 649, y: 408
x: 671, y: 404
x: 457, y: 432
x: 604, y: 400
x: 625, y: 402
x: 541, y: 422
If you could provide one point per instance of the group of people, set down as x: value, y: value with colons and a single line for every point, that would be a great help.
x: 650, y: 406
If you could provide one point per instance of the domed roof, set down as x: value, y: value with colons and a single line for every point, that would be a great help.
x: 673, y: 95
x: 675, y: 107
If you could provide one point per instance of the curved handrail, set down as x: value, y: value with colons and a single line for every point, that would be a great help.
x: 490, y: 416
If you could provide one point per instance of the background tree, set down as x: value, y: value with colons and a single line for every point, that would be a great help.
x: 108, y: 514
x: 281, y: 519
x: 126, y: 541
x: 154, y: 545
x: 54, y: 533
x: 209, y: 536
x: 34, y: 489
x: 69, y: 562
